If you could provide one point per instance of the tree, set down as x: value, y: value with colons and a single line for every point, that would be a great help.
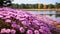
x: 41, y: 6
x: 35, y: 6
x: 1, y: 3
x: 5, y: 3
x: 22, y: 6
x: 57, y: 5
x: 47, y: 6
x: 50, y: 6
x: 44, y: 6
x: 27, y: 6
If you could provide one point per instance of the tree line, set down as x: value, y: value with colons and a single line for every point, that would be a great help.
x: 8, y: 3
x: 35, y: 6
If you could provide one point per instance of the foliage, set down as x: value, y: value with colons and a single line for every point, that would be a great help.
x: 57, y: 5
x: 29, y: 6
x: 35, y: 6
x: 5, y: 3
x: 50, y: 6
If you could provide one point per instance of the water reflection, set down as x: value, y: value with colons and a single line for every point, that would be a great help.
x: 51, y: 14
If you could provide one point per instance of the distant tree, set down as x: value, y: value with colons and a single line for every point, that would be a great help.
x: 35, y: 6
x: 13, y: 6
x: 17, y: 5
x: 41, y: 6
x: 27, y: 6
x: 50, y: 6
x: 30, y: 6
x: 47, y: 6
x: 57, y: 5
x: 44, y: 6
x: 23, y: 6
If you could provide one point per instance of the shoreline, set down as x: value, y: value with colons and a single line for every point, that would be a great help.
x: 41, y: 9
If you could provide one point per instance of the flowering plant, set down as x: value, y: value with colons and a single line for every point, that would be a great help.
x: 14, y: 21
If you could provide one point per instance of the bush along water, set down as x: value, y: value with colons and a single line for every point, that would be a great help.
x: 15, y: 21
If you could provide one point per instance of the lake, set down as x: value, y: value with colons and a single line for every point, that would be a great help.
x: 51, y: 14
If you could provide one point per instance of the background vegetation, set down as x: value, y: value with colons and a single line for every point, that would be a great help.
x: 35, y: 6
x: 29, y: 6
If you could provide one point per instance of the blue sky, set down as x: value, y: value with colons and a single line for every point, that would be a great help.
x: 36, y: 1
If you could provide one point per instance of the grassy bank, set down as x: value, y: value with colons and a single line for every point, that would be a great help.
x: 42, y: 9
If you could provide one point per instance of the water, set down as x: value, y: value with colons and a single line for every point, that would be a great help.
x: 50, y: 14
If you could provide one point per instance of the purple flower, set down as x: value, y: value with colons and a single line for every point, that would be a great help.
x: 13, y: 31
x: 22, y: 19
x: 7, y: 17
x: 14, y: 25
x: 17, y: 17
x: 29, y: 32
x: 3, y: 30
x: 25, y: 22
x: 22, y: 30
x: 17, y: 26
x: 1, y: 16
x: 7, y: 30
x: 36, y: 32
x: 7, y: 20
x: 40, y: 30
x: 36, y: 22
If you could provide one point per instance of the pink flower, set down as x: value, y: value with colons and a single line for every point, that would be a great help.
x: 29, y: 32
x: 22, y: 30
x: 7, y: 20
x: 8, y: 31
x: 13, y: 31
x: 36, y: 32
x: 1, y: 16
x: 7, y: 17
x: 14, y: 25
x: 3, y: 30
x: 40, y: 30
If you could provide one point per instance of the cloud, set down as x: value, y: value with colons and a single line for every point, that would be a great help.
x: 26, y: 1
x: 36, y: 1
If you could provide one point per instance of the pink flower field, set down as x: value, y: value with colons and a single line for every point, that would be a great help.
x: 15, y: 21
